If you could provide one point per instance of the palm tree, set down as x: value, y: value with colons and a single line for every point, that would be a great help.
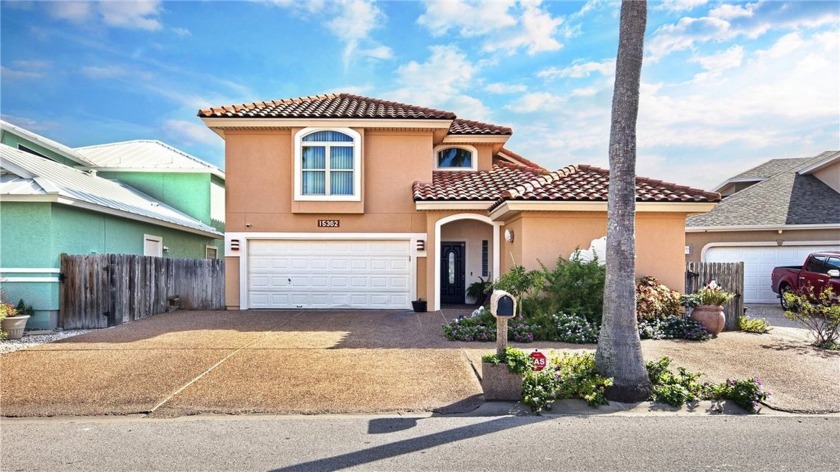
x: 619, y: 353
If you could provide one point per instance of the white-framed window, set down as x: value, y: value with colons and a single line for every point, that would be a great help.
x: 210, y: 252
x: 328, y: 164
x: 459, y: 157
x: 152, y: 245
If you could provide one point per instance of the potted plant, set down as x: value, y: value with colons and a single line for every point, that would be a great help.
x: 501, y: 375
x: 13, y: 319
x: 419, y: 305
x: 479, y: 290
x: 709, y: 311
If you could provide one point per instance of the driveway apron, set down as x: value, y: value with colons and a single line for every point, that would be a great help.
x: 245, y: 362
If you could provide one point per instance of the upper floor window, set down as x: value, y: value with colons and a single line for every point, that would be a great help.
x: 327, y: 164
x: 455, y: 158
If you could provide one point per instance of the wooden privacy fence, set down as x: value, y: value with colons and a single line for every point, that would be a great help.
x: 102, y: 290
x: 730, y: 277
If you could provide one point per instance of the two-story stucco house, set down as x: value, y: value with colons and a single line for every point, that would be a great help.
x: 342, y: 201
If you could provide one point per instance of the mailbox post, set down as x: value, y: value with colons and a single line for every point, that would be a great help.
x: 503, y: 307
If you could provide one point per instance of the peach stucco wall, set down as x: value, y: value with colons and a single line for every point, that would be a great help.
x: 660, y: 241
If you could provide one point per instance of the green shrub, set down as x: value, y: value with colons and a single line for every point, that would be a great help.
x: 753, y: 325
x: 713, y: 295
x: 517, y: 282
x: 670, y: 388
x: 820, y: 314
x: 573, y: 286
x: 655, y: 301
x: 683, y: 387
x: 517, y: 360
x: 567, y: 376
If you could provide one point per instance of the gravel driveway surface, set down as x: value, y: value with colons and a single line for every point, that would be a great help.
x: 245, y: 362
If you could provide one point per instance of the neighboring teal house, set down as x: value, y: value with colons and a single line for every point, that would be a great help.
x: 172, y: 176
x: 48, y: 208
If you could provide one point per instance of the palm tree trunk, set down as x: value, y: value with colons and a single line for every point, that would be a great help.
x: 619, y: 353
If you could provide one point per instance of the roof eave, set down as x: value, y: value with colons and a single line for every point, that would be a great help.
x: 831, y: 159
x: 737, y: 228
x: 219, y: 124
x: 510, y: 207
x: 468, y: 205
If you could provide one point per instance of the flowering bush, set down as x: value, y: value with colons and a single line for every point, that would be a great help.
x: 753, y: 325
x: 746, y: 393
x: 520, y: 331
x: 470, y: 329
x: 675, y: 327
x: 656, y: 301
x: 576, y: 329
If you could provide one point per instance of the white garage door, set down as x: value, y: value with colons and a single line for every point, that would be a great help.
x: 329, y: 274
x: 759, y: 263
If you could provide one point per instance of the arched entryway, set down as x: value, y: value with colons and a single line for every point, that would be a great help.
x: 466, y: 249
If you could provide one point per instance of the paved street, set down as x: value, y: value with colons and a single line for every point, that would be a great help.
x: 586, y: 442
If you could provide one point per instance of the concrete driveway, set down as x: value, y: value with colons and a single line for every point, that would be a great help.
x: 246, y: 362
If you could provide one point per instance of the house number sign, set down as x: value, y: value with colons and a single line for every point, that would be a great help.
x: 328, y: 223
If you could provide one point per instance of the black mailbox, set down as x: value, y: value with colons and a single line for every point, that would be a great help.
x: 502, y: 304
x: 505, y: 308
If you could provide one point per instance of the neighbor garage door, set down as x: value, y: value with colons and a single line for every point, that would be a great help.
x: 329, y: 274
x: 759, y: 263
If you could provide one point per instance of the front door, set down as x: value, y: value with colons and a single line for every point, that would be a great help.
x: 452, y: 275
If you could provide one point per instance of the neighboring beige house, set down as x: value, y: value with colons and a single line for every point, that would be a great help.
x: 341, y: 201
x: 772, y: 215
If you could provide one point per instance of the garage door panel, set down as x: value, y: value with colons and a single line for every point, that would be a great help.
x: 329, y: 274
x: 759, y: 262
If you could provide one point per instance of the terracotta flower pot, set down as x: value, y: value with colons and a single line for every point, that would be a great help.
x: 711, y: 317
x: 13, y: 326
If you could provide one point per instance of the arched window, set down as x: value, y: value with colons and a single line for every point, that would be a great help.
x: 455, y: 158
x: 327, y: 164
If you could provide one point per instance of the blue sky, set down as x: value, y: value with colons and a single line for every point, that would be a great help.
x: 725, y: 85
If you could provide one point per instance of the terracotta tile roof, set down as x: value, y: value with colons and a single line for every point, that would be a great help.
x: 341, y: 105
x: 588, y: 183
x: 480, y: 185
x: 460, y: 126
x: 507, y: 153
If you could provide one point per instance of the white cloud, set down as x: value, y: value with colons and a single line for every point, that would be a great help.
x: 585, y: 91
x: 105, y: 72
x: 136, y: 14
x: 681, y: 5
x: 71, y: 11
x: 792, y: 84
x: 351, y: 21
x: 579, y: 70
x: 26, y: 69
x: 468, y: 19
x: 191, y: 132
x: 181, y: 31
x: 132, y: 14
x: 509, y: 25
x: 16, y: 74
x: 536, y: 102
x: 502, y: 88
x: 443, y: 81
x: 715, y: 64
x: 728, y: 11
x: 535, y: 33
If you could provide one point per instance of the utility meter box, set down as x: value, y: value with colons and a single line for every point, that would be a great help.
x: 502, y: 304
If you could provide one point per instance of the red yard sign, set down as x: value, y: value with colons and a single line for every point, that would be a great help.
x: 539, y: 360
